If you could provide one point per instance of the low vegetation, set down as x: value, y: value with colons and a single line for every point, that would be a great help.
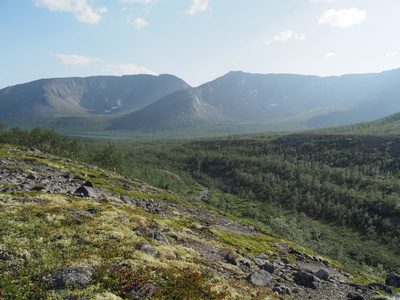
x: 335, y: 194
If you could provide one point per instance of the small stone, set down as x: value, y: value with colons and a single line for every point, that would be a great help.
x: 381, y: 287
x: 286, y: 260
x: 146, y: 248
x: 231, y: 259
x: 80, y: 213
x: 280, y: 288
x: 124, y: 220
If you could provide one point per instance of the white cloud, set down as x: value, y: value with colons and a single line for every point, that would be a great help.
x: 139, y: 1
x: 198, y: 6
x: 83, y: 11
x: 76, y: 59
x: 343, y: 18
x: 330, y: 55
x: 286, y: 36
x: 324, y: 1
x: 392, y: 54
x: 129, y: 69
x: 138, y: 23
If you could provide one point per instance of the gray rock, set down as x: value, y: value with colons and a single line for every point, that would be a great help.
x: 262, y: 256
x: 159, y: 236
x: 286, y: 260
x: 80, y: 213
x: 85, y: 191
x: 393, y: 280
x: 269, y: 267
x: 381, y: 287
x: 305, y: 279
x: 245, y: 266
x: 124, y: 220
x: 280, y: 288
x: 259, y: 262
x: 231, y: 259
x: 146, y: 248
x: 143, y: 291
x: 71, y: 276
x: 354, y: 296
x: 88, y: 183
x: 154, y: 234
x: 322, y: 274
x: 260, y: 278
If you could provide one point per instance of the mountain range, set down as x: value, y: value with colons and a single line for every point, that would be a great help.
x: 154, y: 103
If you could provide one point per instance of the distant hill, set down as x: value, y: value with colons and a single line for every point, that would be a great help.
x: 179, y: 109
x: 385, y: 126
x: 154, y: 103
x: 242, y: 97
x: 90, y: 95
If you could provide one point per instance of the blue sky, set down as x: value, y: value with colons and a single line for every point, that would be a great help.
x: 196, y: 40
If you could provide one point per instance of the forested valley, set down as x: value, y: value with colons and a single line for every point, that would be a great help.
x: 336, y: 194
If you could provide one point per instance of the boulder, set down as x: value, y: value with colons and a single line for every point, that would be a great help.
x: 286, y: 260
x: 280, y: 288
x: 231, y: 259
x: 381, y: 287
x: 260, y: 278
x: 80, y: 213
x: 88, y: 183
x: 143, y: 291
x: 322, y: 274
x: 393, y: 280
x: 305, y: 279
x: 262, y: 256
x: 354, y: 296
x: 85, y: 191
x: 154, y: 234
x: 269, y: 267
x: 146, y: 248
x: 71, y: 276
x: 245, y: 266
x: 124, y: 220
x: 259, y: 262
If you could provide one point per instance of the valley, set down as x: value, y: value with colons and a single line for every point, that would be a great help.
x: 268, y: 174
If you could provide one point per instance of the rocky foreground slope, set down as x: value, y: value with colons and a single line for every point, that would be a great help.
x: 73, y: 231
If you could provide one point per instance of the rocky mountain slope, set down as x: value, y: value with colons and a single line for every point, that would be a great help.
x: 239, y: 97
x: 93, y: 95
x: 154, y: 103
x: 74, y: 231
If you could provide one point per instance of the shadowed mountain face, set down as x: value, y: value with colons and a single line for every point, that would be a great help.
x: 94, y: 95
x: 153, y: 103
x: 179, y: 109
x: 243, y: 97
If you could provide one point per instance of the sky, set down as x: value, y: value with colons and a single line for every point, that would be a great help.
x: 196, y: 40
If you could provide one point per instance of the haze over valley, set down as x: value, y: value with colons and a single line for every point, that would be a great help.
x: 200, y: 149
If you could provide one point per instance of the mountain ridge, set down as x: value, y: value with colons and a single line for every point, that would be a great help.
x: 155, y: 103
x: 87, y: 95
